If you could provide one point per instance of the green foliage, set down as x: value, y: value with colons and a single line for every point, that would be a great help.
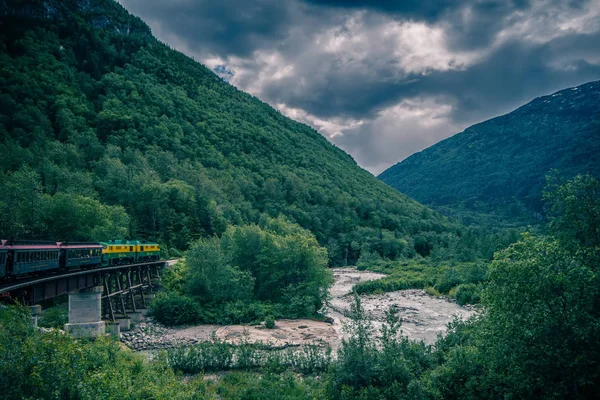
x: 216, y: 355
x: 96, y: 114
x: 54, y: 317
x: 493, y: 173
x: 376, y: 368
x: 574, y: 208
x: 536, y: 336
x: 175, y: 309
x: 276, y: 269
x: 436, y: 279
x: 467, y: 293
x: 270, y: 322
x: 39, y: 365
x: 545, y: 297
x: 251, y: 386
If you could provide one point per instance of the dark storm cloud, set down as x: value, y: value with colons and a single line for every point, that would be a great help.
x: 484, y: 91
x: 429, y: 10
x: 223, y: 27
x: 384, y: 79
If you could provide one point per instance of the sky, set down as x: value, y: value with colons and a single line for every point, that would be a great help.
x: 383, y: 79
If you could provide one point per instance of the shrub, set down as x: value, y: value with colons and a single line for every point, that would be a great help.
x: 269, y: 322
x: 447, y: 280
x: 367, y: 259
x: 174, y: 309
x: 203, y: 357
x: 390, y: 284
x: 50, y: 365
x: 467, y: 293
x: 54, y: 317
x: 430, y: 290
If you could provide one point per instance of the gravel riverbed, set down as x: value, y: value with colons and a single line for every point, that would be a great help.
x: 423, y: 316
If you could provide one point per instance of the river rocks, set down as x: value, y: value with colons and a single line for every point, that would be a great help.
x: 153, y: 336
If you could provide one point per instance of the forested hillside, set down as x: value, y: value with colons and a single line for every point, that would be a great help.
x: 105, y: 132
x: 495, y: 171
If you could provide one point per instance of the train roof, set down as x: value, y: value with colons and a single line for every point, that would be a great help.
x: 126, y: 242
x: 32, y: 247
x: 80, y: 245
x: 111, y: 242
x: 12, y: 244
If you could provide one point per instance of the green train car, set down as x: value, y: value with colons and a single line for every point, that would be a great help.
x: 120, y: 252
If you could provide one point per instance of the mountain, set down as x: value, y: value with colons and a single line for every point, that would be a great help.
x: 106, y: 132
x: 495, y: 171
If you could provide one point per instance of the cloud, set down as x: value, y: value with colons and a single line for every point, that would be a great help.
x: 390, y: 135
x: 383, y: 79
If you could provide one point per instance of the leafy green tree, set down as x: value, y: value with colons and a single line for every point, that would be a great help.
x: 542, y: 324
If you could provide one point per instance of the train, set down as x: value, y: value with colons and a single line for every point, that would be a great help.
x: 19, y: 259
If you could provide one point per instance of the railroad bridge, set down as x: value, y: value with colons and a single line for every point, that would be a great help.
x: 99, y: 299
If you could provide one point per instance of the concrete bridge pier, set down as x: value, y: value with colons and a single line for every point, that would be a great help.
x: 35, y: 312
x: 85, y: 313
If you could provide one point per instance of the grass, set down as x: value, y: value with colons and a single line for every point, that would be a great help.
x: 458, y: 280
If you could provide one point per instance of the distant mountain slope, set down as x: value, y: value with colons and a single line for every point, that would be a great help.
x: 498, y: 167
x: 105, y: 131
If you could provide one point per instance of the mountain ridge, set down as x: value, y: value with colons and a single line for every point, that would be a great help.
x: 498, y: 166
x: 137, y: 139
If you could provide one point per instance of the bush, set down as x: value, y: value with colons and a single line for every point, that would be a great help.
x: 174, y: 309
x: 430, y: 290
x: 447, y: 280
x: 240, y: 312
x: 467, y: 293
x: 391, y: 284
x: 51, y: 365
x: 270, y: 322
x: 203, y: 357
x: 54, y: 317
x: 367, y: 259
